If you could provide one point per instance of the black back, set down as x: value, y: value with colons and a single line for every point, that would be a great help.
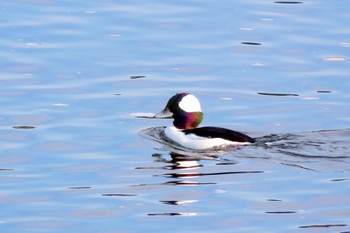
x: 217, y: 132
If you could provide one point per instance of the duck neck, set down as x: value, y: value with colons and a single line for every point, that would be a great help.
x: 188, y: 120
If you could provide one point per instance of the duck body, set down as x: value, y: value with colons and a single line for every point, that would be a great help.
x: 205, y: 138
x: 186, y: 111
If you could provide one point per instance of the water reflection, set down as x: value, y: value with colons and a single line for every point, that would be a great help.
x: 288, y: 2
x: 179, y: 161
x: 183, y: 202
x: 324, y: 226
x: 172, y: 214
x: 185, y: 168
x: 24, y: 127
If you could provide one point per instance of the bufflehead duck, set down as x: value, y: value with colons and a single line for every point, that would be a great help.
x: 187, y: 113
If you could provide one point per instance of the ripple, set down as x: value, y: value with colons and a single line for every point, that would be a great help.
x: 345, y: 44
x: 288, y: 2
x: 24, y: 127
x: 80, y: 187
x: 335, y: 58
x: 187, y: 175
x: 250, y: 43
x: 277, y: 94
x: 281, y: 212
x: 173, y: 214
x: 118, y: 195
x: 323, y: 226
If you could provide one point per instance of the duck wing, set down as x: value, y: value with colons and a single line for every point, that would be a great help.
x: 218, y: 132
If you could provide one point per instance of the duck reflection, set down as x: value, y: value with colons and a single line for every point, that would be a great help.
x: 184, y: 166
x: 183, y: 169
x: 179, y: 161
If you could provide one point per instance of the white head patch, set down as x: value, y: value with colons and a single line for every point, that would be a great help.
x: 190, y: 103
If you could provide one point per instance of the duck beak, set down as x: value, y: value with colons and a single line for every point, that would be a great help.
x: 165, y: 114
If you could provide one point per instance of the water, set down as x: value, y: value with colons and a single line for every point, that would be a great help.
x: 72, y: 159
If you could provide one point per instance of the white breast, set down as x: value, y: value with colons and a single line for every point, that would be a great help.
x: 194, y: 142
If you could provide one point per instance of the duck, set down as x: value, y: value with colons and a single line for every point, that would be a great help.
x: 187, y: 113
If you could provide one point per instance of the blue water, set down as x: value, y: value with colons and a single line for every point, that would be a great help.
x: 73, y: 159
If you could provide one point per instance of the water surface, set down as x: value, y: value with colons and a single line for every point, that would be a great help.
x: 72, y: 159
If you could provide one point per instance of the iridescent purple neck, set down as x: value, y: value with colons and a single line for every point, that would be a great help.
x: 187, y: 120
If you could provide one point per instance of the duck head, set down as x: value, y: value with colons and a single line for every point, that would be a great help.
x: 185, y: 109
